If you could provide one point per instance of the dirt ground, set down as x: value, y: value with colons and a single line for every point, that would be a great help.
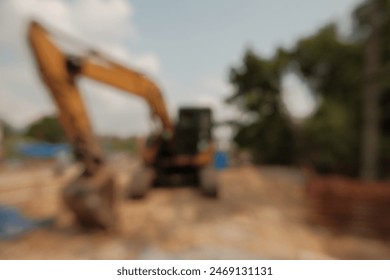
x: 262, y: 213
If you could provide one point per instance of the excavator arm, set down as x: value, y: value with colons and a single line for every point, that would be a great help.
x: 91, y: 196
x: 60, y: 71
x: 52, y: 63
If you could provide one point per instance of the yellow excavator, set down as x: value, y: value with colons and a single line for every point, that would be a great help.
x: 177, y: 154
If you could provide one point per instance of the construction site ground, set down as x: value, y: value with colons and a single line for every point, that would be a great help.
x: 261, y: 213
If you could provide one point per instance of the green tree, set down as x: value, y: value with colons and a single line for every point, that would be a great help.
x: 332, y: 67
x: 267, y: 135
x: 335, y: 68
x: 46, y: 129
x: 351, y: 75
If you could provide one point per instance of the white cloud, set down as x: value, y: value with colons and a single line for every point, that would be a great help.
x: 104, y: 21
x: 106, y: 25
x: 21, y: 109
x: 21, y: 100
x: 144, y: 62
x: 147, y: 61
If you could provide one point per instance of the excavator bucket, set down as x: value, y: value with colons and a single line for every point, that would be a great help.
x: 91, y: 199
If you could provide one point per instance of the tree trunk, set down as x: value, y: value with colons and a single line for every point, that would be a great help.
x: 372, y: 89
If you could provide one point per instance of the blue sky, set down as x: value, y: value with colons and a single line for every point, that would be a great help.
x: 199, y: 39
x: 188, y: 47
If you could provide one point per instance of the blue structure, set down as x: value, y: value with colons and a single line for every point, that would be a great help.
x: 220, y: 160
x: 13, y: 223
x: 42, y: 150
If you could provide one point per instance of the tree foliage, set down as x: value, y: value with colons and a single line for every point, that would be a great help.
x: 46, y: 129
x: 333, y: 68
x: 257, y: 83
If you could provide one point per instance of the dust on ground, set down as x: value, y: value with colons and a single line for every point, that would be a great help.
x: 262, y: 213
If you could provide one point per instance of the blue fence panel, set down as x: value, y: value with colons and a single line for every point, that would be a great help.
x: 42, y: 150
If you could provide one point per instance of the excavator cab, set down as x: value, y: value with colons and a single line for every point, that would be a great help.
x: 185, y: 160
x: 194, y: 140
x: 193, y: 130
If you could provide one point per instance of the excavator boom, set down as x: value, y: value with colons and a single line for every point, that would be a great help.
x: 91, y: 196
x: 52, y: 63
x: 59, y: 72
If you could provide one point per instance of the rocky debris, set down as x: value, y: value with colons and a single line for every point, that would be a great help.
x: 261, y: 213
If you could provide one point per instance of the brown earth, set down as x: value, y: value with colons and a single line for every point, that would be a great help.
x: 262, y: 213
